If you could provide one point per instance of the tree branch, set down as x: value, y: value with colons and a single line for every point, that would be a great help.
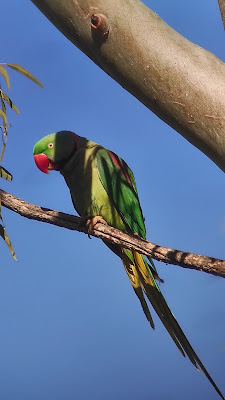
x: 106, y: 232
x: 222, y: 10
x: 179, y: 81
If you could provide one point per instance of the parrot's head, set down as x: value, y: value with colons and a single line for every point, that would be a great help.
x: 52, y: 151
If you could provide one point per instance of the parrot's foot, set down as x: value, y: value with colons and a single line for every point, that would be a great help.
x: 90, y: 223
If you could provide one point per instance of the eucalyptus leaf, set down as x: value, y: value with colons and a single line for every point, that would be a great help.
x: 3, y: 107
x: 5, y: 174
x: 5, y: 75
x: 5, y: 237
x: 2, y: 152
x: 9, y: 102
x: 3, y: 115
x: 24, y: 71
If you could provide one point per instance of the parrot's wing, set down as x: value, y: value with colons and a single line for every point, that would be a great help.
x: 118, y: 181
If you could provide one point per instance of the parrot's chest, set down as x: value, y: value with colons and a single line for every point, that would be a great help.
x: 88, y: 194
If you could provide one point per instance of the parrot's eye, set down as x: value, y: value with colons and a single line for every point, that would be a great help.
x: 50, y: 145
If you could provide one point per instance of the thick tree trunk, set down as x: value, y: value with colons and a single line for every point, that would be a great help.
x: 180, y: 82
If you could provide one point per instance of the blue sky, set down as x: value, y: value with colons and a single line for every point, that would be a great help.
x: 71, y: 327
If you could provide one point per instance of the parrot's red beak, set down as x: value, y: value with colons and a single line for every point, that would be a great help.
x: 43, y: 163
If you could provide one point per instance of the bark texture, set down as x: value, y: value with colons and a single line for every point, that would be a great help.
x: 222, y: 10
x: 179, y: 81
x: 106, y: 232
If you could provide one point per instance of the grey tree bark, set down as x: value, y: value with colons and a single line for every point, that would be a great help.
x: 179, y: 81
x: 169, y: 256
x: 222, y: 10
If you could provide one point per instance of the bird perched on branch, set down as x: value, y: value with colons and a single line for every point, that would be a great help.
x: 102, y: 186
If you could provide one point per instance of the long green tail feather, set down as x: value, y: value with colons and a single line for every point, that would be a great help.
x: 163, y: 311
x: 128, y: 262
x: 140, y: 295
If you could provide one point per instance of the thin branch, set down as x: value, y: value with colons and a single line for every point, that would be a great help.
x: 222, y: 10
x: 165, y: 254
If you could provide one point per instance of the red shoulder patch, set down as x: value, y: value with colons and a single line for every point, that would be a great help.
x: 116, y: 160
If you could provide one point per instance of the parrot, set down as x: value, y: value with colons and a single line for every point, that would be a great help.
x: 102, y: 187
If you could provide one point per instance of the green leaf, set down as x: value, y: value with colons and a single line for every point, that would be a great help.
x: 3, y: 107
x: 3, y: 104
x: 9, y: 102
x: 5, y: 237
x: 5, y: 75
x: 3, y: 115
x: 3, y: 151
x: 5, y: 174
x: 24, y: 71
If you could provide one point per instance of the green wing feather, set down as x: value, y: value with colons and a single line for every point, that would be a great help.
x: 118, y: 181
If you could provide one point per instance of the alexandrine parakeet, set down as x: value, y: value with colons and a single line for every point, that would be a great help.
x: 102, y: 184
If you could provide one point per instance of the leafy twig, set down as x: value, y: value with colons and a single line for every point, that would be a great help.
x: 4, y: 99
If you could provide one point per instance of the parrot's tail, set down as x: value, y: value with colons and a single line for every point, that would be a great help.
x: 142, y: 279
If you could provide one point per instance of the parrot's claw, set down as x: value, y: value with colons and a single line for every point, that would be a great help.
x: 90, y: 224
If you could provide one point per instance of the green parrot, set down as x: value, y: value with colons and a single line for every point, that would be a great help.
x: 102, y: 185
